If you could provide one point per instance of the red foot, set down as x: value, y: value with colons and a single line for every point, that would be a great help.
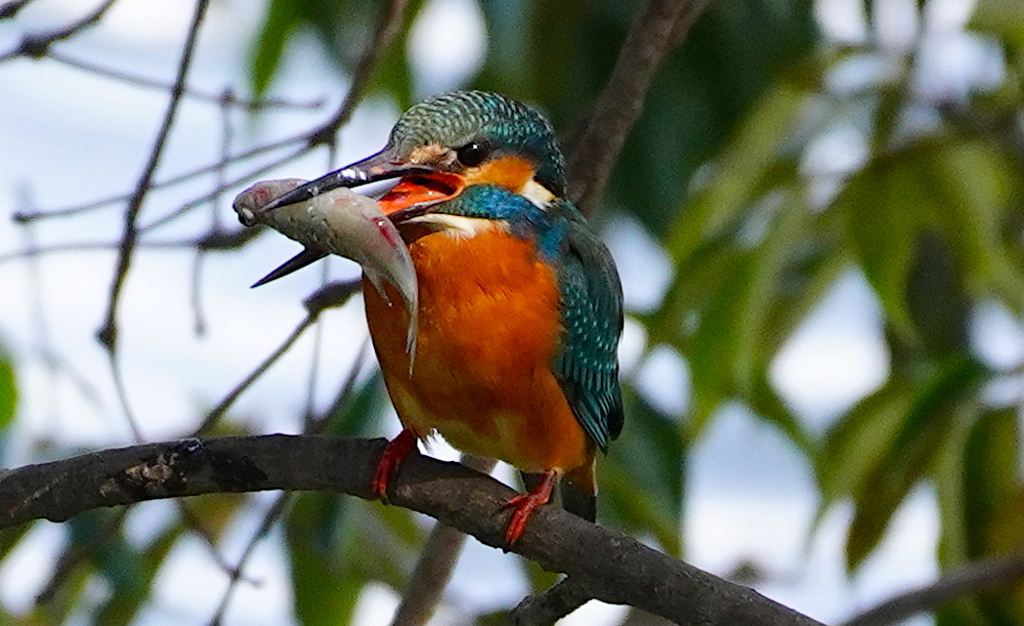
x: 392, y: 457
x: 524, y: 504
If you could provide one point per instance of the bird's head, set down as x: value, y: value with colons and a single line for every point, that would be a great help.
x: 451, y: 142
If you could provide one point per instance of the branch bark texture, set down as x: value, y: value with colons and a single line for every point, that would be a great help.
x: 615, y: 568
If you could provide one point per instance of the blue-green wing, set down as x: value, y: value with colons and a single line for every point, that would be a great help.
x: 591, y: 309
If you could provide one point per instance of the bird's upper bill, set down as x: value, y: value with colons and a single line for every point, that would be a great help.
x: 421, y: 187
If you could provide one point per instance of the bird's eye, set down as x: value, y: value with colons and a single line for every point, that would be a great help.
x: 473, y: 153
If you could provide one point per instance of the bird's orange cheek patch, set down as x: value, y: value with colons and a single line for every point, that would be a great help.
x: 419, y: 189
x: 510, y: 172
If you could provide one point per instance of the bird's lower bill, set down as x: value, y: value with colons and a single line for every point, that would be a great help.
x: 419, y: 191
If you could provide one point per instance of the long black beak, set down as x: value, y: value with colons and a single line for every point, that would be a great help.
x: 381, y: 166
x: 294, y: 264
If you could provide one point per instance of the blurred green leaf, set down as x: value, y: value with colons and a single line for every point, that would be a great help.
x: 816, y: 262
x: 8, y: 392
x: 991, y: 463
x: 982, y: 506
x: 215, y: 512
x: 979, y: 183
x: 538, y: 578
x: 993, y: 504
x: 10, y: 538
x: 1004, y: 18
x: 881, y: 204
x: 641, y: 479
x: 860, y: 440
x: 745, y: 159
x: 535, y: 48
x: 400, y: 543
x: 948, y: 476
x: 732, y: 244
x: 494, y: 618
x: 948, y: 391
x: 64, y: 599
x: 769, y: 406
x: 704, y: 89
x: 343, y: 29
x: 95, y: 544
x: 729, y: 341
x: 357, y: 410
x: 733, y: 60
x: 325, y: 587
x: 712, y: 348
x: 939, y: 307
x: 282, y: 19
x: 126, y: 600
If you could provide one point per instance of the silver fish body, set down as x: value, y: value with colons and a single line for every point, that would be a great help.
x: 341, y: 222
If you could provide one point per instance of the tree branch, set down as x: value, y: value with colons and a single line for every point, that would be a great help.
x: 987, y: 575
x: 37, y: 46
x: 107, y: 334
x: 614, y: 568
x: 226, y: 97
x: 388, y: 28
x: 657, y: 30
x: 563, y: 598
x: 435, y: 565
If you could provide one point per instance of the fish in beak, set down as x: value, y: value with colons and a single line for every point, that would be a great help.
x: 421, y: 187
x: 328, y: 218
x: 339, y: 221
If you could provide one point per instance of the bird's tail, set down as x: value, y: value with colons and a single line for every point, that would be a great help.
x: 579, y: 492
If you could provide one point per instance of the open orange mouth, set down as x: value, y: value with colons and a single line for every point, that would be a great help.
x: 414, y: 195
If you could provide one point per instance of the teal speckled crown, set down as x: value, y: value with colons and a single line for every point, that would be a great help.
x: 454, y: 119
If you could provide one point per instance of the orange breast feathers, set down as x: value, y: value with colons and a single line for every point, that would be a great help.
x: 488, y: 328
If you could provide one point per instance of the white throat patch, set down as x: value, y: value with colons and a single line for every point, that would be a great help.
x: 537, y: 193
x: 458, y: 226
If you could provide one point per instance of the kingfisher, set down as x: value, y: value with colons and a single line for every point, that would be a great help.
x: 520, y: 303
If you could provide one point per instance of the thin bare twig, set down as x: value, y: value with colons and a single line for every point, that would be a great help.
x: 226, y: 138
x: 37, y: 46
x: 228, y: 240
x: 117, y: 375
x: 977, y: 577
x: 217, y: 412
x: 388, y: 28
x: 324, y: 134
x: 331, y: 295
x: 11, y: 9
x: 382, y: 39
x: 196, y: 295
x: 226, y: 98
x: 653, y: 34
x: 207, y: 197
x: 271, y: 516
x: 195, y: 524
x: 107, y: 334
x: 75, y: 210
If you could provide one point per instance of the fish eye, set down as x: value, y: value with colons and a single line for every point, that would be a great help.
x: 473, y: 153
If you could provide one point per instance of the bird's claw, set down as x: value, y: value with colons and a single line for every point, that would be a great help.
x: 390, y: 460
x: 526, y: 503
